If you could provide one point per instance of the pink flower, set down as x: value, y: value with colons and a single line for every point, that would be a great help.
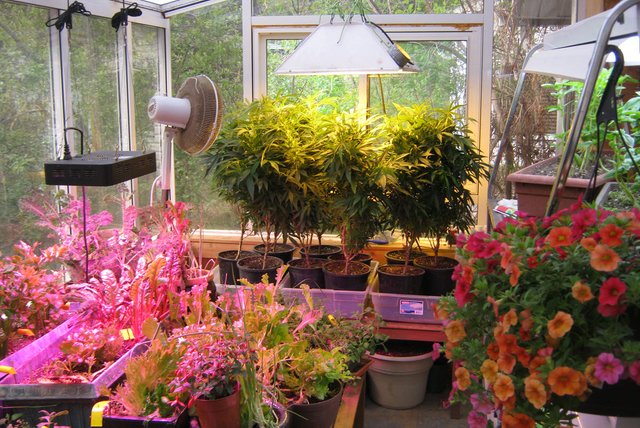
x: 481, y: 403
x: 608, y: 368
x: 611, y: 291
x: 634, y: 371
x: 435, y: 353
x: 611, y: 310
x: 476, y: 420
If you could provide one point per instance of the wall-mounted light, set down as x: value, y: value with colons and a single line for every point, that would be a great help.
x: 348, y: 48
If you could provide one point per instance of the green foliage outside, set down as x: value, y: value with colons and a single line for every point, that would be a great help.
x: 318, y: 7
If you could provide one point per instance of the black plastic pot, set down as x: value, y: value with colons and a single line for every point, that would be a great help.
x: 321, y: 251
x: 439, y: 376
x: 360, y: 257
x: 282, y: 251
x: 620, y: 399
x: 315, y: 415
x: 437, y: 277
x: 393, y: 280
x: 251, y: 268
x: 181, y: 421
x: 227, y: 262
x: 311, y: 275
x: 396, y: 257
x: 355, y: 280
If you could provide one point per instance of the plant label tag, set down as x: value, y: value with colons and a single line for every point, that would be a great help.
x: 412, y: 307
x: 127, y: 334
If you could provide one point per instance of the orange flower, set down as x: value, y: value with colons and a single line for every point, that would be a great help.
x: 515, y: 275
x: 610, y: 235
x: 559, y: 237
x: 440, y: 312
x: 581, y: 292
x: 560, y: 325
x: 509, y: 319
x: 604, y: 259
x: 536, y: 362
x: 588, y: 244
x: 567, y: 381
x: 526, y: 320
x: 463, y: 378
x: 493, y: 351
x: 503, y: 387
x: 508, y: 343
x: 590, y: 374
x: 535, y: 392
x: 489, y: 370
x: 455, y: 331
x: 506, y: 363
x: 517, y: 420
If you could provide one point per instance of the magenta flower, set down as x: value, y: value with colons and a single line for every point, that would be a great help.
x: 481, y: 404
x: 608, y: 368
x: 476, y: 420
x: 435, y: 353
x: 634, y: 371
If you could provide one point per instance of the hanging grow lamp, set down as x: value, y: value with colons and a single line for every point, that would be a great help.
x: 348, y: 48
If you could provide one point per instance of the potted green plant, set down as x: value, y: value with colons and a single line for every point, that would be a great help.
x: 544, y: 319
x: 533, y: 183
x: 442, y: 160
x: 145, y: 399
x: 359, y: 165
x: 247, y: 165
x: 212, y: 357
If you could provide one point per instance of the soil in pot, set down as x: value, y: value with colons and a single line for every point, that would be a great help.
x: 321, y: 414
x: 360, y: 257
x: 252, y: 268
x: 398, y: 376
x: 396, y: 257
x: 321, y: 251
x: 310, y: 274
x: 282, y: 251
x: 353, y: 278
x: 437, y: 276
x: 394, y: 279
x: 227, y: 262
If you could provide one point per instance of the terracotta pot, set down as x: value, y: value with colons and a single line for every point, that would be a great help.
x: 335, y: 278
x: 228, y: 265
x: 393, y: 280
x: 315, y: 415
x: 221, y: 413
x: 533, y: 190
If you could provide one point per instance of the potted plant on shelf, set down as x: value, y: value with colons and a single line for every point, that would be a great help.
x: 544, y: 319
x: 359, y: 165
x: 533, y: 183
x: 431, y: 197
x: 212, y: 357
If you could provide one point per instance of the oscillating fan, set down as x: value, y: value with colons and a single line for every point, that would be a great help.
x: 192, y: 118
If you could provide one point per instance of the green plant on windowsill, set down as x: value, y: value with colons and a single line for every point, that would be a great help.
x: 429, y: 196
x: 567, y: 94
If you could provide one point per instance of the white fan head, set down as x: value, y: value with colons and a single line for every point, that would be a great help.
x: 195, y: 113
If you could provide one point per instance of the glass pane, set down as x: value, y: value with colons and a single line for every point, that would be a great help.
x: 219, y: 56
x: 371, y: 7
x: 146, y: 83
x: 94, y: 85
x: 442, y: 79
x: 26, y: 138
x: 344, y: 87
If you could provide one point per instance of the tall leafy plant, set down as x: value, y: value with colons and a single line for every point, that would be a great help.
x: 359, y: 166
x: 430, y: 195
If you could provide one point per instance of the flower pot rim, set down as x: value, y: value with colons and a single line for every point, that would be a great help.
x: 382, y: 270
x: 526, y: 175
x: 402, y: 358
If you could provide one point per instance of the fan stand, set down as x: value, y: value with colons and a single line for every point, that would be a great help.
x: 169, y: 132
